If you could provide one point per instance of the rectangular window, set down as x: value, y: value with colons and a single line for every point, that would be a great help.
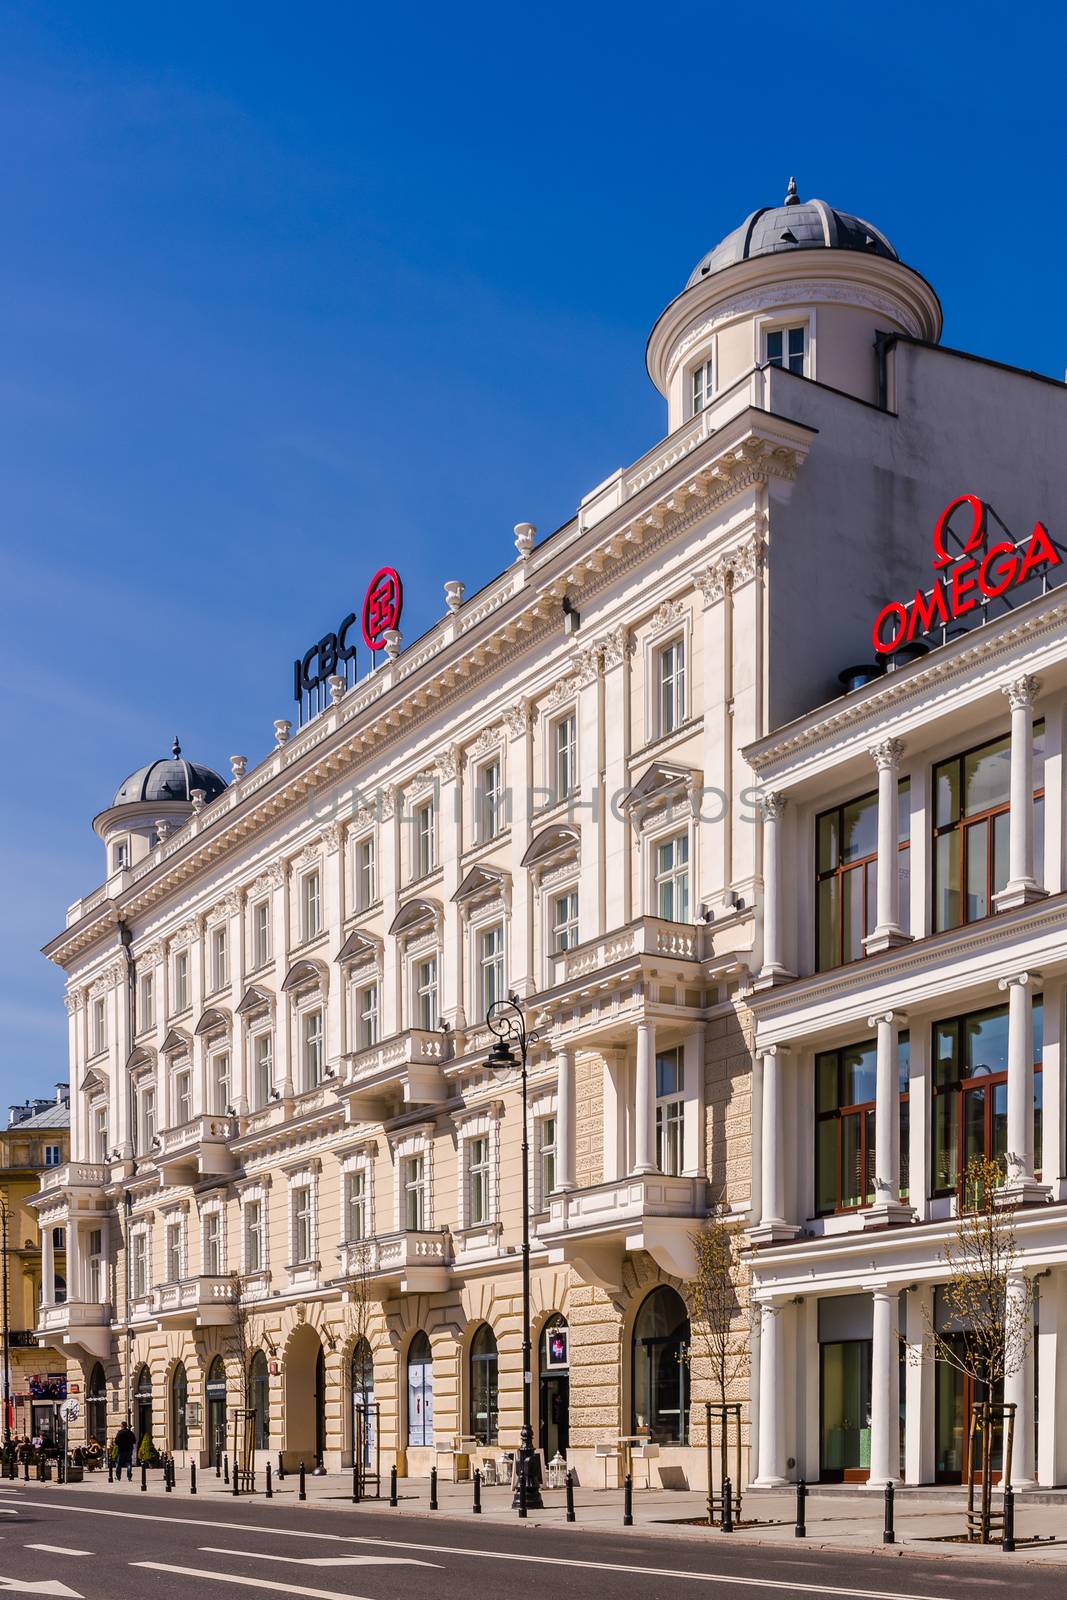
x: 490, y: 798
x: 972, y: 827
x: 261, y: 942
x: 564, y: 757
x: 672, y: 879
x: 220, y: 1083
x: 702, y: 386
x: 213, y: 1244
x: 100, y: 1137
x: 478, y: 1200
x: 140, y: 1264
x: 220, y: 958
x: 174, y: 1252
x: 314, y: 1064
x: 786, y: 347
x: 121, y: 856
x: 311, y: 906
x: 263, y: 1068
x: 53, y: 1155
x: 565, y: 920
x: 844, y: 1125
x: 147, y: 1119
x: 148, y: 1000
x: 415, y: 1207
x: 546, y: 1157
x: 670, y: 681
x: 367, y: 1016
x: 97, y: 1267
x: 670, y: 1111
x: 426, y: 994
x: 366, y: 874
x: 425, y: 840
x: 357, y: 1221
x: 491, y: 966
x: 846, y: 870
x: 254, y: 1253
x: 302, y: 1222
x: 99, y: 1038
x: 181, y: 980
x: 183, y: 1097
x: 970, y: 1092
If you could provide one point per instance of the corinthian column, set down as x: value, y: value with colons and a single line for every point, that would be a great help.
x: 1022, y: 887
x: 1021, y: 1184
x: 774, y: 969
x: 887, y: 1206
x: 887, y: 929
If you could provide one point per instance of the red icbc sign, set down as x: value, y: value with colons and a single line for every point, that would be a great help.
x: 975, y: 573
x: 382, y: 606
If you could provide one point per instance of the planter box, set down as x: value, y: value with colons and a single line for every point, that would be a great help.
x: 75, y: 1474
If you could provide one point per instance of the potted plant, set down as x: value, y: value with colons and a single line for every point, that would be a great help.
x: 147, y: 1454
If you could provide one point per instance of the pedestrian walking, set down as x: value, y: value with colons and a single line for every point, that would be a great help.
x: 125, y: 1445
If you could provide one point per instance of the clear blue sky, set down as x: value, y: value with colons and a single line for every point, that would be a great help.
x: 286, y: 289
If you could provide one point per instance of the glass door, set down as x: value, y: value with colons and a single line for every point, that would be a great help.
x: 845, y: 1411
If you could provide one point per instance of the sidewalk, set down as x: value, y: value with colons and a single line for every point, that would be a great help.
x: 852, y: 1521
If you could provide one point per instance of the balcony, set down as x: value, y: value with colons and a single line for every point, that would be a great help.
x: 194, y: 1303
x: 594, y: 1228
x: 401, y: 1263
x: 74, y: 1175
x: 404, y: 1070
x: 76, y: 1323
x: 667, y: 942
x: 196, y: 1149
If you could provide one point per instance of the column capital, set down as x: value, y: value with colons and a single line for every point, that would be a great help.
x: 887, y: 755
x: 772, y: 804
x: 898, y: 1018
x: 1022, y: 692
x: 774, y: 1049
x: 1023, y: 980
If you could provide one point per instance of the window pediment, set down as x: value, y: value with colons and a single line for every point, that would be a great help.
x: 359, y: 947
x: 255, y: 998
x: 177, y: 1041
x: 662, y: 785
x: 552, y: 846
x: 95, y: 1081
x: 140, y: 1059
x: 416, y: 915
x: 483, y: 883
x: 216, y: 1019
x: 305, y: 974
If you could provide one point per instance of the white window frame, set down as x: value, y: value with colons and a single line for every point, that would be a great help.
x: 420, y: 989
x: 414, y: 1172
x: 670, y: 1119
x: 216, y: 1081
x: 543, y: 1150
x: 671, y: 704
x: 146, y: 1116
x: 312, y: 1045
x: 424, y: 851
x: 261, y: 914
x: 212, y: 1213
x: 256, y: 1057
x: 489, y: 817
x: 781, y: 322
x: 701, y: 379
x: 301, y: 1185
x: 173, y: 1258
x: 220, y: 957
x: 365, y: 871
x: 311, y: 906
x: 147, y: 998
x: 357, y: 1171
x: 558, y: 789
x: 120, y: 855
x: 494, y: 961
x: 554, y: 927
x: 366, y: 1006
x: 98, y: 1037
x: 258, y: 1231
x: 660, y: 877
x: 479, y: 1160
x: 99, y: 1130
x: 96, y: 1267
x: 181, y: 1098
x: 140, y: 1261
x: 181, y: 997
x: 471, y: 1128
x: 53, y: 1155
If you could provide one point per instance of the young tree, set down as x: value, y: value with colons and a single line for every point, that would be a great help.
x: 240, y: 1346
x: 718, y: 1295
x: 357, y: 1323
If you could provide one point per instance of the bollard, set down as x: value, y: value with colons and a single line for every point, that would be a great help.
x: 727, y: 1524
x: 218, y: 1464
x: 61, y: 1468
x: 888, y: 1536
x: 168, y: 1482
x: 303, y: 1494
x: 236, y: 1477
x: 281, y: 1468
x: 355, y: 1484
x: 433, y: 1488
x: 110, y: 1470
x: 270, y: 1484
x: 521, y: 1483
x: 192, y: 1477
x: 144, y: 1478
x: 570, y: 1496
x: 26, y: 1465
x: 800, y: 1530
x: 477, y: 1492
x: 225, y: 1469
x: 392, y: 1485
x: 1007, y: 1542
x: 628, y: 1502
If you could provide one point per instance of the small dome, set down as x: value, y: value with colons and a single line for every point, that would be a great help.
x: 170, y: 778
x: 794, y: 225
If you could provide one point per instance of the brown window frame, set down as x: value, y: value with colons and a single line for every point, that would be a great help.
x: 842, y: 870
x: 962, y: 825
x: 960, y: 1088
x: 864, y: 1110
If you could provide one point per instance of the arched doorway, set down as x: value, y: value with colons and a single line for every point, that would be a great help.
x: 142, y: 1405
x: 179, y: 1399
x: 259, y: 1398
x: 362, y: 1381
x: 305, y: 1399
x: 660, y: 1368
x: 484, y: 1394
x: 553, y: 1391
x: 420, y: 1391
x: 215, y: 1396
x: 96, y: 1405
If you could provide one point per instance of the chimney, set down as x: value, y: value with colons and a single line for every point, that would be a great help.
x: 62, y: 1094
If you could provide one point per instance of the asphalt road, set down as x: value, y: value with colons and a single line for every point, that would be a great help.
x: 77, y: 1543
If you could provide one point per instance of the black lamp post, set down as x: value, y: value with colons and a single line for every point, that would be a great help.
x: 506, y: 1019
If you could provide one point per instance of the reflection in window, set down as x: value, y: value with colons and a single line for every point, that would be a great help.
x: 660, y: 1368
x: 970, y: 1092
x: 845, y: 1083
x: 972, y: 794
x: 483, y: 1386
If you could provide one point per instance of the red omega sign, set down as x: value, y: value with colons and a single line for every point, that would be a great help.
x: 382, y: 606
x: 965, y: 578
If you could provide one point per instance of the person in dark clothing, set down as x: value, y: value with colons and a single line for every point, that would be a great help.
x: 125, y: 1445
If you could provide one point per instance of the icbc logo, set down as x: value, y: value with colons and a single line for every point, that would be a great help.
x: 382, y: 607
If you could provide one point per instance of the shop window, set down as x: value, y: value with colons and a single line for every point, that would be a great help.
x: 661, y: 1340
x: 259, y: 1386
x: 972, y: 795
x: 844, y: 1125
x: 484, y: 1395
x: 179, y: 1401
x: 420, y: 1391
x: 361, y: 1377
x: 96, y: 1406
x: 970, y: 1092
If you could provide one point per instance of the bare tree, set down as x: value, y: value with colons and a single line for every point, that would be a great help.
x: 240, y: 1347
x: 718, y: 1295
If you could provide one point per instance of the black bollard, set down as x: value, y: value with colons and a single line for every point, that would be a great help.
x: 270, y: 1485
x: 433, y: 1488
x: 1007, y: 1542
x: 303, y: 1483
x: 392, y: 1486
x: 477, y: 1507
x: 226, y: 1469
x: 110, y: 1470
x: 355, y: 1484
x: 521, y: 1469
x: 236, y: 1477
x: 801, y: 1530
x: 727, y: 1506
x: 192, y: 1477
x: 888, y: 1536
x: 144, y: 1478
x: 628, y: 1502
x: 26, y: 1466
x: 218, y: 1464
x: 168, y: 1481
x: 570, y: 1496
x: 281, y: 1468
x: 61, y: 1468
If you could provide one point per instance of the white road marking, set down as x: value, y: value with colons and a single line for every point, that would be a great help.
x: 319, y: 1561
x: 51, y: 1586
x: 488, y: 1555
x: 248, y: 1583
x: 59, y: 1549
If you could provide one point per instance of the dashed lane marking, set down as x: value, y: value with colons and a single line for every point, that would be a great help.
x: 247, y: 1583
x: 321, y: 1561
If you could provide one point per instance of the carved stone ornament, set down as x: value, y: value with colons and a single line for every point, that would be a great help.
x: 74, y: 999
x: 670, y: 612
x: 448, y: 763
x: 886, y: 756
x: 332, y: 834
x: 1022, y: 693
x: 387, y: 802
x: 616, y: 646
x: 184, y: 936
x: 271, y: 878
x: 310, y: 856
x: 772, y: 806
x: 228, y: 906
x: 517, y: 718
x: 420, y: 784
x: 112, y: 974
x: 150, y: 956
x: 488, y: 739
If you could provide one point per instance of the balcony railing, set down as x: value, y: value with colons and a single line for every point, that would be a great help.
x: 679, y: 941
x: 72, y: 1315
x: 418, y: 1259
x: 201, y: 1145
x: 408, y: 1064
x: 202, y: 1298
x: 75, y: 1175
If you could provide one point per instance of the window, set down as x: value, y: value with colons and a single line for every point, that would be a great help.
x: 971, y: 829
x: 483, y: 1386
x: 478, y: 1173
x: 564, y: 754
x: 99, y: 1133
x: 366, y: 873
x: 489, y: 801
x: 313, y: 1048
x: 181, y: 980
x: 357, y: 1217
x: 670, y: 684
x: 183, y: 1097
x: 120, y: 858
x: 140, y: 1264
x: 670, y: 1111
x: 213, y: 1244
x: 173, y: 1252
x: 425, y: 840
x: 97, y: 1271
x: 970, y: 1092
x: 661, y: 1368
x: 491, y: 966
x: 179, y: 1402
x: 99, y: 1039
x: 701, y: 379
x: 220, y: 1083
x: 672, y: 879
x: 846, y: 869
x: 53, y: 1155
x: 263, y: 1068
x: 844, y: 1125
x: 148, y: 1000
x: 220, y: 957
x: 546, y: 1156
x: 420, y: 1391
x: 786, y: 347
x: 261, y: 930
x: 367, y: 1016
x: 426, y: 994
x: 311, y: 906
x: 414, y: 1179
x: 565, y: 920
x: 301, y: 1204
x: 146, y: 1119
x: 96, y: 1426
x: 255, y: 1256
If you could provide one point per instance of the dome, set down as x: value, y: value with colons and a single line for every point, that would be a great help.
x: 170, y: 778
x: 794, y: 225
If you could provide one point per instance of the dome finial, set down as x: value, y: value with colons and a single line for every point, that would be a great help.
x: 791, y: 196
x: 175, y: 748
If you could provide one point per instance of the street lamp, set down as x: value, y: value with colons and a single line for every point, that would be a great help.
x: 506, y: 1020
x: 7, y: 1334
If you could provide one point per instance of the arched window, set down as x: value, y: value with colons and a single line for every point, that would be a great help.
x: 179, y: 1396
x: 142, y: 1399
x: 96, y: 1405
x: 483, y: 1375
x: 362, y: 1378
x: 420, y: 1391
x: 660, y: 1368
x: 259, y: 1398
x: 553, y: 1387
x: 215, y: 1395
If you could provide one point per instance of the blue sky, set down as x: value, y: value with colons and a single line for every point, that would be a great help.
x: 285, y: 291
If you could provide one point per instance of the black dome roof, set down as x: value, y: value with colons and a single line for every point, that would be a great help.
x: 794, y: 225
x: 169, y: 778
